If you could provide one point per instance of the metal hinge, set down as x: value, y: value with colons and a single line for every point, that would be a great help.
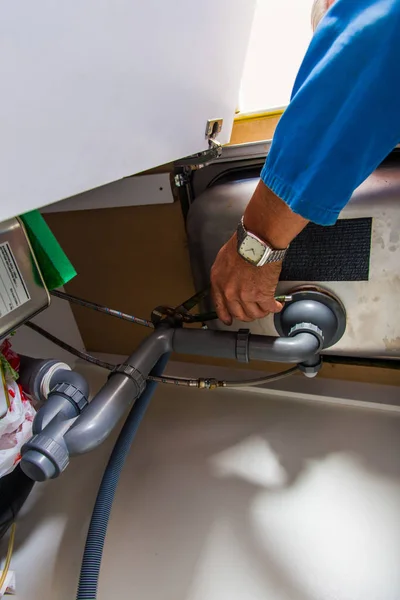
x: 197, y: 161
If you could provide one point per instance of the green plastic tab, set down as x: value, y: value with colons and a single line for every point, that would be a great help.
x: 56, y: 269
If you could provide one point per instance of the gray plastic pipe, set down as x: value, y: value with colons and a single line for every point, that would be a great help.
x: 64, y: 429
x: 97, y: 421
x: 117, y: 395
x: 222, y: 344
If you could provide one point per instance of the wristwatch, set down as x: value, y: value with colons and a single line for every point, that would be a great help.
x: 254, y: 250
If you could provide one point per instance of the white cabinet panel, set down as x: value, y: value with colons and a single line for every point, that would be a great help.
x: 95, y: 90
x: 131, y: 191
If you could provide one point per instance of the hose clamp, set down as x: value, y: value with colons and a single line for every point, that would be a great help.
x: 242, y: 345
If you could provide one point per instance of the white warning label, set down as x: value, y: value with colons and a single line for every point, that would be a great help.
x: 13, y: 291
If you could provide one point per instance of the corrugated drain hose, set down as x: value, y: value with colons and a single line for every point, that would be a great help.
x: 89, y: 576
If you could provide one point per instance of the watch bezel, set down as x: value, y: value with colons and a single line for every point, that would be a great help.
x: 267, y: 250
x: 270, y: 254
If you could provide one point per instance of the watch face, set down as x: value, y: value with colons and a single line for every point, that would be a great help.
x: 252, y: 250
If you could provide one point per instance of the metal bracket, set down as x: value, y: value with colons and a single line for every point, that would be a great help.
x: 213, y: 128
x: 201, y: 159
x: 182, y: 179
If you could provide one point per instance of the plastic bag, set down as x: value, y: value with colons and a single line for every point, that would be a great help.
x: 15, y: 426
x: 9, y: 360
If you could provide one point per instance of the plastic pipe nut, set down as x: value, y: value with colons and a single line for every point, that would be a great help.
x: 43, y: 458
x: 134, y: 375
x: 308, y: 328
x: 242, y: 345
x: 72, y: 394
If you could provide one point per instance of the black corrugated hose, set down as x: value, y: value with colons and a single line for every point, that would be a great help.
x: 89, y: 576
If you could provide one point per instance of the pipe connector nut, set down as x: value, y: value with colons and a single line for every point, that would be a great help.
x: 72, y: 393
x: 47, y: 458
x: 209, y: 384
x: 242, y: 345
x: 308, y: 328
x: 133, y: 374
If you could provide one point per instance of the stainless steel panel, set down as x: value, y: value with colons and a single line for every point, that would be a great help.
x: 26, y: 268
x: 373, y: 313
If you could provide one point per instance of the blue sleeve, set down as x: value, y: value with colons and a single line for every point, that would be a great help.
x: 344, y: 115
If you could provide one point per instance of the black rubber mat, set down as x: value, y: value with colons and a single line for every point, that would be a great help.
x: 338, y: 253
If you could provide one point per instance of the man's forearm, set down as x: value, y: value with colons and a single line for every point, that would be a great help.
x: 268, y: 217
x: 239, y: 289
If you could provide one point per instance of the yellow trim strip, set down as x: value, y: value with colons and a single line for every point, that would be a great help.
x: 5, y: 387
x: 259, y: 115
x: 3, y: 575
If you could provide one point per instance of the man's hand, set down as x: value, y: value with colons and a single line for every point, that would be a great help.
x: 239, y: 289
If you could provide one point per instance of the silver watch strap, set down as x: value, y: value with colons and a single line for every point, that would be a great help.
x: 240, y: 233
x: 276, y: 256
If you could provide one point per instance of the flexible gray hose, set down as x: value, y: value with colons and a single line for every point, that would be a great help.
x: 91, y: 562
x: 261, y: 380
x: 104, y: 309
x: 78, y: 353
